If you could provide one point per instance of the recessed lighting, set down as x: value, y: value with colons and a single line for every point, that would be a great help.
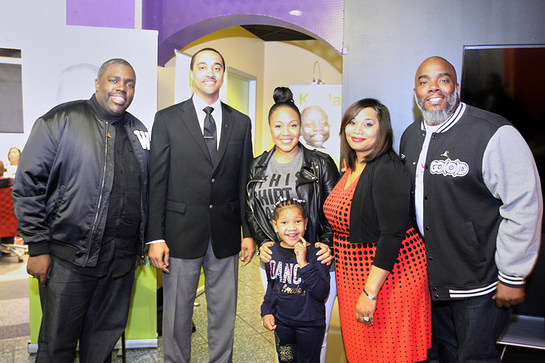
x: 296, y: 12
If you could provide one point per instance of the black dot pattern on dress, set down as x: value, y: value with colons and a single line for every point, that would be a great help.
x: 402, y: 328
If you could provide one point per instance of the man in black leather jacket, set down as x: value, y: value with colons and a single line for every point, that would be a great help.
x: 80, y: 201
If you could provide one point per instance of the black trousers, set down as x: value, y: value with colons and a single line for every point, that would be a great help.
x: 298, y: 344
x: 76, y: 306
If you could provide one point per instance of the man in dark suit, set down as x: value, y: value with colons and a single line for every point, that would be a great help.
x: 201, y: 150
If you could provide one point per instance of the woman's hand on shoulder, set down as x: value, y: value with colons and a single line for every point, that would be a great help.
x: 265, y: 253
x: 324, y: 253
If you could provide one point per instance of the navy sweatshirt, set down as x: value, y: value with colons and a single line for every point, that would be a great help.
x: 295, y: 296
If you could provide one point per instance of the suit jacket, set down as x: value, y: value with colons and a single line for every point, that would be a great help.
x: 191, y: 198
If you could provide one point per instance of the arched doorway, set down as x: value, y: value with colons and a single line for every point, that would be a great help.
x: 271, y: 63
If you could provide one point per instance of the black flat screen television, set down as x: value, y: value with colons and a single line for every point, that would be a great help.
x: 510, y: 80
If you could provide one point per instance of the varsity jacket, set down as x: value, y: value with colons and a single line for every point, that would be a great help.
x: 315, y: 180
x: 482, y: 203
x: 64, y: 180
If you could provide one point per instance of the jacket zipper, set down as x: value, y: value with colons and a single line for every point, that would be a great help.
x: 252, y: 207
x: 95, y: 221
x: 142, y: 217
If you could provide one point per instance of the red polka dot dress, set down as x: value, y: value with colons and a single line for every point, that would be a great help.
x: 402, y: 319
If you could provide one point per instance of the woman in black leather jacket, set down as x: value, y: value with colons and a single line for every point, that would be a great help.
x: 289, y: 170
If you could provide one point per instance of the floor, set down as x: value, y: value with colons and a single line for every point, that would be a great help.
x: 253, y: 343
x: 14, y: 311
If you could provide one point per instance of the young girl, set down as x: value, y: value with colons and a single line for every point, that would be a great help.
x: 298, y: 285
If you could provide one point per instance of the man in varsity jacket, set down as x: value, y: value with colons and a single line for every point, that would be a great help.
x: 478, y: 204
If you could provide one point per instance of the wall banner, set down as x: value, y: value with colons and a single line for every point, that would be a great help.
x: 320, y: 107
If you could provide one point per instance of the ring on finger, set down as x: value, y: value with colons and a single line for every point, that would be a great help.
x: 366, y: 318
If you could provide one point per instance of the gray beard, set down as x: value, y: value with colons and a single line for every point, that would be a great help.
x: 434, y: 118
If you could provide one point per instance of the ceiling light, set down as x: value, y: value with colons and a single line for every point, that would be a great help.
x: 296, y: 12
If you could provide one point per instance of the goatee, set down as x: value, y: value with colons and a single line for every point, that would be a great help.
x: 437, y: 117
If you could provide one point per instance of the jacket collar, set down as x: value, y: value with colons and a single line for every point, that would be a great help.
x: 188, y: 117
x: 306, y: 174
x: 101, y: 114
x: 450, y: 121
x: 191, y: 120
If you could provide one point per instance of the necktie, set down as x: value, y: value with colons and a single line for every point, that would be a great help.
x: 210, y: 132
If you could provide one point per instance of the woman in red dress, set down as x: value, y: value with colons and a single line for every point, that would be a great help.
x: 382, y: 282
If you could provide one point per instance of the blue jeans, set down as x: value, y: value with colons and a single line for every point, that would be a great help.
x: 467, y: 330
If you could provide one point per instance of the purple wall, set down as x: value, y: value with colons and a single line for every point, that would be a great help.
x: 101, y: 13
x: 181, y: 22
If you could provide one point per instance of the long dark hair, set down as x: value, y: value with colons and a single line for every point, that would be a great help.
x: 283, y: 97
x: 384, y: 137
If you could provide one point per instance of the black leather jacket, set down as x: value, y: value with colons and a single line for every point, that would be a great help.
x: 64, y: 179
x: 315, y: 180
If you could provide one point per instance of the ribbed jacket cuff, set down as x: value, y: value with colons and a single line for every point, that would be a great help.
x: 38, y: 248
x: 511, y: 281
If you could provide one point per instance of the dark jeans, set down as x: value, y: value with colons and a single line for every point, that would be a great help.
x: 298, y: 344
x: 90, y: 309
x: 467, y: 330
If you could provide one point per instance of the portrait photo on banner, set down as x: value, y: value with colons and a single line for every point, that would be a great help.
x: 320, y: 107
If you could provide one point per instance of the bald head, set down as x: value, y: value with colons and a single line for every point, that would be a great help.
x: 437, y: 64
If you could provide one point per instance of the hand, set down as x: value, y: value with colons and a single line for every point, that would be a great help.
x: 268, y: 322
x: 265, y: 251
x: 300, y: 250
x: 159, y: 255
x: 507, y: 297
x: 324, y: 254
x: 365, y: 308
x: 247, y: 250
x: 39, y: 267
